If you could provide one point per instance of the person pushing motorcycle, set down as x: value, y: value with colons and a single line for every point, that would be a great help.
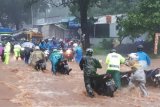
x: 138, y: 77
x: 89, y: 66
x: 113, y: 61
x: 36, y: 56
x: 55, y: 57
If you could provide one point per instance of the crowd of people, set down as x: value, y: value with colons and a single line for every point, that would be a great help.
x: 138, y: 62
x: 35, y: 56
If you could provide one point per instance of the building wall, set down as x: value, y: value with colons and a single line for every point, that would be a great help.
x: 127, y: 40
x: 56, y: 31
x: 50, y: 31
x: 96, y: 41
x: 45, y: 31
x: 113, y: 31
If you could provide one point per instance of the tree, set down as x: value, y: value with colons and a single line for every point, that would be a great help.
x: 104, y: 7
x: 83, y: 6
x: 146, y: 18
x: 111, y: 7
x: 13, y: 12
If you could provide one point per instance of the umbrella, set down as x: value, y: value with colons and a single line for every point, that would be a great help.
x: 28, y: 44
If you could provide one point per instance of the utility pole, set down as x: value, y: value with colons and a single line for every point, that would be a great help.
x: 32, y: 16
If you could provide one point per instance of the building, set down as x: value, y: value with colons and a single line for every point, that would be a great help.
x: 49, y: 20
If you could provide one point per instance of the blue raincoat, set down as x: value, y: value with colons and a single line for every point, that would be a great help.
x: 55, y: 58
x: 42, y: 46
x: 143, y: 59
x: 78, y: 54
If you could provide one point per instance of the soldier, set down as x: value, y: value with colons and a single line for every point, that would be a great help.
x: 89, y: 66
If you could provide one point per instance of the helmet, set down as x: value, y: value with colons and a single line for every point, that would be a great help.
x: 133, y: 56
x: 140, y: 48
x: 89, y: 51
x: 55, y: 50
x: 22, y: 49
x: 8, y: 43
x: 37, y: 47
x: 113, y: 50
x: 75, y: 44
x: 133, y: 61
x: 60, y: 40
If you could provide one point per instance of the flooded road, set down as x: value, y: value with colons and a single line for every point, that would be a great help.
x: 22, y: 86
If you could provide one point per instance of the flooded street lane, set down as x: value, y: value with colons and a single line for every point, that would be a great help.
x: 38, y: 89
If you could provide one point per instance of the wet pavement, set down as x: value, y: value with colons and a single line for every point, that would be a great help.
x: 22, y: 86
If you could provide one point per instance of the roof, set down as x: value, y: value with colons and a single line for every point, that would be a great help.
x: 53, y: 20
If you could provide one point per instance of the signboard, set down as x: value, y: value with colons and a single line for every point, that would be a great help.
x: 157, y: 35
x: 5, y: 31
x: 73, y: 24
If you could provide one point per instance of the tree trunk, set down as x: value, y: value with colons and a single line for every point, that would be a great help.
x: 83, y: 5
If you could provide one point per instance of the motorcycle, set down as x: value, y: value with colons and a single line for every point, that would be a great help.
x: 125, y: 78
x: 153, y: 77
x: 46, y: 54
x: 104, y: 85
x: 40, y: 65
x: 63, y: 67
x: 68, y: 54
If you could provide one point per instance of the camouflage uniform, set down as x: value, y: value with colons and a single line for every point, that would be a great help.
x: 89, y: 66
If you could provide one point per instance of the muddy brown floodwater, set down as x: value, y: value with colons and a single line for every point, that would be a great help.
x: 22, y: 86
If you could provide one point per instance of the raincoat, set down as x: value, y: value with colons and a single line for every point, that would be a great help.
x: 138, y: 78
x: 1, y: 50
x: 2, y: 53
x: 143, y: 59
x: 78, y: 54
x: 55, y: 57
x: 17, y: 50
x: 113, y: 61
x: 7, y: 50
x: 42, y: 46
x: 36, y: 56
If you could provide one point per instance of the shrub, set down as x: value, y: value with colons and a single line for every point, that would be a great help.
x: 106, y: 44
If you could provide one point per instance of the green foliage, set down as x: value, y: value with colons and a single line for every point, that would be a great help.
x: 146, y: 18
x: 13, y: 12
x: 100, y: 51
x: 106, y: 44
x: 112, y: 7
